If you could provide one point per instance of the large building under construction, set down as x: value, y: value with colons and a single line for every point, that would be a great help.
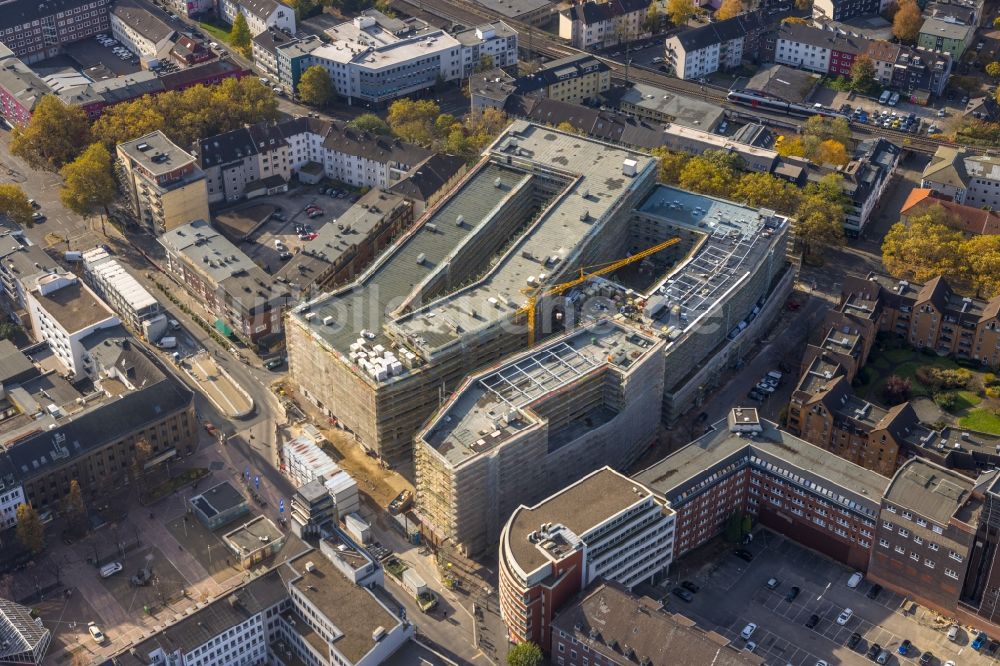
x: 449, y: 298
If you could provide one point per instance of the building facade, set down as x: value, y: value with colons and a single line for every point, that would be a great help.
x: 574, y: 79
x: 165, y: 185
x: 947, y: 36
x: 260, y: 14
x: 598, y: 25
x: 602, y: 526
x: 142, y: 28
x: 698, y: 52
x: 134, y: 304
x: 37, y: 30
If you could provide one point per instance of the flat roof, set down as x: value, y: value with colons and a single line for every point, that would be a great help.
x: 515, y: 8
x: 688, y: 111
x: 254, y: 535
x: 207, y: 250
x: 353, y: 610
x: 156, y: 153
x: 932, y: 491
x: 74, y: 305
x: 580, y: 507
x: 682, y: 469
x: 109, y: 271
x: 222, y: 497
x: 494, y: 401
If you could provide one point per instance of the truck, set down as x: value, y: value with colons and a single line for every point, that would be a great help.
x: 167, y: 342
x: 415, y: 585
x: 401, y: 502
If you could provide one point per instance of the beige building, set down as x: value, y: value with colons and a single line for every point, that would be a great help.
x: 574, y: 79
x: 164, y: 184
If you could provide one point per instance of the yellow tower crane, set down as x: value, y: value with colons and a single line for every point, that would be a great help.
x: 539, y: 292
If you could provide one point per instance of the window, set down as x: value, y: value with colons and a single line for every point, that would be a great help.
x: 884, y: 543
x: 951, y: 573
x: 929, y: 563
x: 955, y: 556
x: 913, y: 556
x: 904, y: 533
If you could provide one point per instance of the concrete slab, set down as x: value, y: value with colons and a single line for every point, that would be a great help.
x: 218, y: 385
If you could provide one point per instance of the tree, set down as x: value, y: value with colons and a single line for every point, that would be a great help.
x: 239, y: 35
x: 729, y: 9
x: 982, y: 263
x: 30, y: 531
x: 708, y: 175
x: 369, y: 122
x: 74, y: 509
x: 830, y: 152
x: 764, y: 190
x: 896, y: 390
x: 305, y: 8
x: 653, y: 18
x: 88, y: 184
x: 680, y: 11
x: 315, y: 87
x: 795, y: 20
x: 996, y: 22
x: 671, y: 165
x: 14, y: 205
x: 485, y: 63
x: 55, y: 134
x: 566, y: 126
x: 804, y: 5
x: 863, y: 75
x: 792, y: 147
x: 823, y: 128
x: 993, y: 69
x: 525, y: 654
x: 413, y: 120
x: 819, y: 218
x: 9, y: 330
x: 140, y: 455
x: 923, y: 247
x: 907, y: 22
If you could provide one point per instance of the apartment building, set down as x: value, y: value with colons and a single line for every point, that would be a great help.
x: 970, y: 179
x: 166, y: 187
x: 606, y: 379
x: 842, y: 10
x: 660, y: 106
x: 748, y: 466
x: 21, y: 262
x: 264, y: 50
x: 947, y: 36
x: 36, y: 30
x: 865, y: 179
x: 191, y: 8
x: 599, y: 25
x: 20, y: 88
x: 291, y: 59
x: 915, y: 72
x: 602, y: 526
x: 260, y: 14
x: 969, y: 219
x: 142, y: 28
x: 374, y: 59
x: 245, y: 299
x: 825, y: 51
x: 134, y: 304
x: 696, y: 53
x: 237, y: 161
x: 606, y: 624
x: 926, y: 533
x: 55, y: 431
x: 63, y: 312
x: 574, y: 79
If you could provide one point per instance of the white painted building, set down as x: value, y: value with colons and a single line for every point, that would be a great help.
x: 142, y: 28
x: 63, y: 311
x: 972, y: 180
x: 494, y: 44
x: 11, y: 496
x: 136, y: 306
x: 260, y: 14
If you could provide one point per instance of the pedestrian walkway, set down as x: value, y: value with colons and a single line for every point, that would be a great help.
x: 200, y: 582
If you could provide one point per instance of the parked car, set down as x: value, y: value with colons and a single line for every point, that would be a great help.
x: 748, y: 631
x: 845, y: 616
x: 980, y: 639
x: 773, y: 584
x: 812, y: 621
x: 683, y: 594
x: 38, y: 217
x: 109, y: 570
x: 873, y: 591
x: 853, y: 641
x: 689, y: 586
x: 926, y: 658
x: 855, y: 579
x: 904, y: 647
x: 743, y: 554
x: 95, y: 633
x: 275, y: 363
x: 953, y: 633
x: 883, y: 657
x: 792, y: 593
x: 750, y: 646
x: 755, y: 395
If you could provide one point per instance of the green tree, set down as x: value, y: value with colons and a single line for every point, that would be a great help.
x: 239, y: 35
x: 821, y: 128
x: 923, y: 247
x: 863, y: 75
x: 369, y: 122
x: 746, y: 525
x: 819, y: 218
x: 30, y: 531
x: 907, y: 22
x: 993, y: 69
x: 14, y: 205
x: 996, y: 22
x: 525, y: 654
x: 764, y: 190
x: 74, y: 508
x: 982, y: 263
x: 653, y: 17
x: 729, y: 9
x: 9, y: 330
x: 88, y: 184
x: 680, y: 11
x: 671, y: 165
x: 485, y: 63
x: 315, y: 87
x: 713, y: 172
x: 803, y: 5
x: 55, y: 134
x: 305, y: 8
x: 413, y: 120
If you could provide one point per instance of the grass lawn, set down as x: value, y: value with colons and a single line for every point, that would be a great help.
x: 981, y: 420
x: 218, y: 31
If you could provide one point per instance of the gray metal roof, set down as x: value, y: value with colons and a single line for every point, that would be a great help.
x: 208, y: 250
x: 155, y: 153
x: 147, y: 20
x: 927, y: 489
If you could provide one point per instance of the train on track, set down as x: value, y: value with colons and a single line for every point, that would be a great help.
x: 764, y: 102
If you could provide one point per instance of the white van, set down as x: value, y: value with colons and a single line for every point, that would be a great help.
x: 884, y: 97
x: 855, y: 579
x: 109, y: 570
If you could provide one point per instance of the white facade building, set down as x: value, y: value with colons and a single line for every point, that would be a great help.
x: 63, y: 311
x: 794, y: 53
x: 260, y: 14
x: 972, y: 180
x: 10, y: 499
x: 136, y: 306
x: 141, y: 28
x: 493, y: 44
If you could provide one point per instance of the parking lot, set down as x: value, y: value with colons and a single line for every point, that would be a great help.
x: 262, y: 245
x: 89, y: 53
x: 734, y: 593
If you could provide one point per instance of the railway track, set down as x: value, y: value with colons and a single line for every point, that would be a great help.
x: 469, y: 13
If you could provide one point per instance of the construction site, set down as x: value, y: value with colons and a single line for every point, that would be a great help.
x: 548, y: 233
